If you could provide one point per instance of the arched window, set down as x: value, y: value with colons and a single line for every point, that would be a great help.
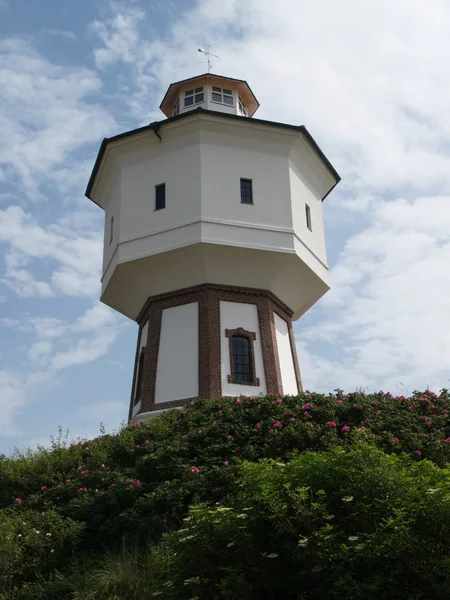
x: 242, y: 358
x: 140, y: 371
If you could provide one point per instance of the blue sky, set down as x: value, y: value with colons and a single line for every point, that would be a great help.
x: 370, y: 82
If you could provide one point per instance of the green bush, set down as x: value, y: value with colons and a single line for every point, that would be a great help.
x: 353, y: 523
x: 117, y: 495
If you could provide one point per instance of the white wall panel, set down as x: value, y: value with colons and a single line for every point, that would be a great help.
x: 177, y: 370
x: 288, y: 379
x: 232, y: 316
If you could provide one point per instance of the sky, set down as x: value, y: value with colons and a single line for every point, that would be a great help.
x: 371, y: 82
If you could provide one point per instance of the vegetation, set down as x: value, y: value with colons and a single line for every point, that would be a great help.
x: 306, y: 497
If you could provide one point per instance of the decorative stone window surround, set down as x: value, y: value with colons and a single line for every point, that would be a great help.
x: 251, y: 336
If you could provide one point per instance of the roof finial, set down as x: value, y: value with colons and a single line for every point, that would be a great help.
x: 208, y: 54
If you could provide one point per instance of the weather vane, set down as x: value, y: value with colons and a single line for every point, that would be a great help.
x: 208, y: 54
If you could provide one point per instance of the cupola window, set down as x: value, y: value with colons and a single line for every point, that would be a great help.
x: 192, y: 97
x: 242, y: 109
x: 222, y: 95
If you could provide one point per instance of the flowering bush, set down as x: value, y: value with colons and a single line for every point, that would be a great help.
x: 138, y: 485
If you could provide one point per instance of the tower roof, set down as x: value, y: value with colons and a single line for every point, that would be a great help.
x: 242, y: 87
x: 156, y: 126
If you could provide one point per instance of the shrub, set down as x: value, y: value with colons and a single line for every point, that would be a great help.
x: 354, y: 523
x: 135, y: 487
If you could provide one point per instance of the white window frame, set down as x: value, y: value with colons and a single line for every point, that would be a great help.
x: 193, y: 93
x: 222, y: 92
x: 241, y: 107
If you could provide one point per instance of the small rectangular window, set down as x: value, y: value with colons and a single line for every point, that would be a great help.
x: 246, y: 191
x: 217, y: 97
x: 160, y: 196
x: 308, y: 217
x: 111, y: 230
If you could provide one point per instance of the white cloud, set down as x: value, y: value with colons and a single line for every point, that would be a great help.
x: 61, y: 33
x: 367, y: 82
x: 76, y: 258
x: 45, y: 114
x: 54, y: 345
x: 389, y: 306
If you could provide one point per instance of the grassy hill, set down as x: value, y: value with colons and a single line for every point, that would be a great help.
x: 307, y: 497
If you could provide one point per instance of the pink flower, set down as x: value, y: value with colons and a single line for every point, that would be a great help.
x: 306, y: 406
x: 279, y: 400
x: 339, y: 401
x: 43, y: 514
x: 238, y: 401
x: 330, y: 424
x: 67, y: 480
x: 345, y: 428
x: 146, y: 442
x: 362, y: 428
x: 18, y: 500
x: 137, y: 446
x: 225, y: 462
x: 43, y: 487
x: 86, y: 449
x: 447, y: 441
x: 278, y: 425
x: 270, y: 430
x: 96, y: 491
x: 378, y: 412
x: 102, y: 466
x: 217, y: 503
x: 199, y: 432
x: 311, y: 425
x: 229, y: 438
x: 395, y: 440
x: 258, y: 425
x: 167, y: 483
x: 418, y: 452
x: 137, y: 483
x: 195, y: 469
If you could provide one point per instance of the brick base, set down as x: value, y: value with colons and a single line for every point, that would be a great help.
x: 208, y: 297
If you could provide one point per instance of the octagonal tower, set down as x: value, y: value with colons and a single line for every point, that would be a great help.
x: 214, y: 243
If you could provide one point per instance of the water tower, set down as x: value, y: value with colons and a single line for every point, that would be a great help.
x: 214, y: 243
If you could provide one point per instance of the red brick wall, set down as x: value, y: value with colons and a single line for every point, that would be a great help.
x: 209, y: 297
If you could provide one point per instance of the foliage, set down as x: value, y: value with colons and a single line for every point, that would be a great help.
x: 107, y: 500
x: 354, y: 523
